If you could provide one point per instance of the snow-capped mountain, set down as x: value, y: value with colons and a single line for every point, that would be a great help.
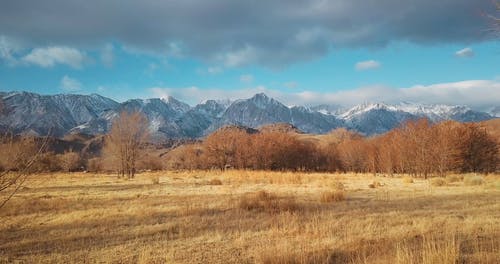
x: 24, y: 112
x: 197, y: 121
x: 376, y: 118
x: 162, y: 114
x: 310, y: 121
x: 434, y: 112
x: 495, y: 111
x: 84, y: 108
x: 256, y: 111
x: 262, y: 110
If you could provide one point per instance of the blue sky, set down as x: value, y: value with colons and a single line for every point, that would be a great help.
x: 299, y: 58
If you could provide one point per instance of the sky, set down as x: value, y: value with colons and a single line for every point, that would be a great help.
x: 302, y: 52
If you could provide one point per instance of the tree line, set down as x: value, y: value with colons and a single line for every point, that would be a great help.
x: 419, y: 148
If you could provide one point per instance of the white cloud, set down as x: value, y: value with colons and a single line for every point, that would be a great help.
x: 50, y: 56
x: 246, y: 78
x: 367, y: 65
x: 8, y: 48
x: 478, y: 94
x: 465, y: 53
x: 69, y: 84
x: 241, y: 57
x: 300, y: 31
x: 107, y: 55
x: 214, y: 70
x: 474, y: 93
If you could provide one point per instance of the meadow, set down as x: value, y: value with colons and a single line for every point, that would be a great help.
x: 252, y: 217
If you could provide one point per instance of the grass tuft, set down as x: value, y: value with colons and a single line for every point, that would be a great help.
x: 438, y: 182
x: 267, y: 202
x: 332, y: 196
x: 453, y: 178
x: 472, y: 180
x: 375, y: 184
x: 155, y: 179
x: 428, y: 249
x: 293, y: 256
x: 407, y: 179
x: 215, y: 182
x: 339, y: 186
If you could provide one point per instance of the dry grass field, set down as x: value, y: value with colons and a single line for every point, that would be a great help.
x: 252, y: 217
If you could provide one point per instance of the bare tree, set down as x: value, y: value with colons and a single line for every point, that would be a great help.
x: 125, y: 141
x: 70, y: 161
x: 479, y: 150
x: 226, y: 147
x: 18, y: 155
x: 448, y: 140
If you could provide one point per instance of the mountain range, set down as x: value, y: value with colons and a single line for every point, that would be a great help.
x: 63, y: 114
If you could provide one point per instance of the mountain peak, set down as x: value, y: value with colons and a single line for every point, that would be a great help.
x: 261, y: 100
x: 172, y: 118
x: 262, y: 94
x: 169, y: 99
x: 176, y: 104
x: 366, y: 107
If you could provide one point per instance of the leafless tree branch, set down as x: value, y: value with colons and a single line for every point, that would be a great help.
x: 19, y: 155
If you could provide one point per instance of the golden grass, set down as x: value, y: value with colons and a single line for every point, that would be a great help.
x: 338, y: 186
x: 268, y: 202
x: 438, y: 182
x: 472, y: 180
x: 332, y: 196
x: 215, y: 182
x: 375, y: 184
x: 429, y: 249
x: 253, y: 217
x: 155, y: 179
x: 407, y: 179
x: 453, y: 178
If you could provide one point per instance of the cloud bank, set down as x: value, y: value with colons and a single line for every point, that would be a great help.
x: 51, y: 56
x: 235, y: 33
x: 478, y: 94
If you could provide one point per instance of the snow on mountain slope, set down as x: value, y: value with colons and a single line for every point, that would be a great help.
x: 327, y: 109
x: 495, y: 111
x: 254, y: 112
x: 434, y: 112
x: 55, y: 115
x: 376, y: 118
x: 61, y: 114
